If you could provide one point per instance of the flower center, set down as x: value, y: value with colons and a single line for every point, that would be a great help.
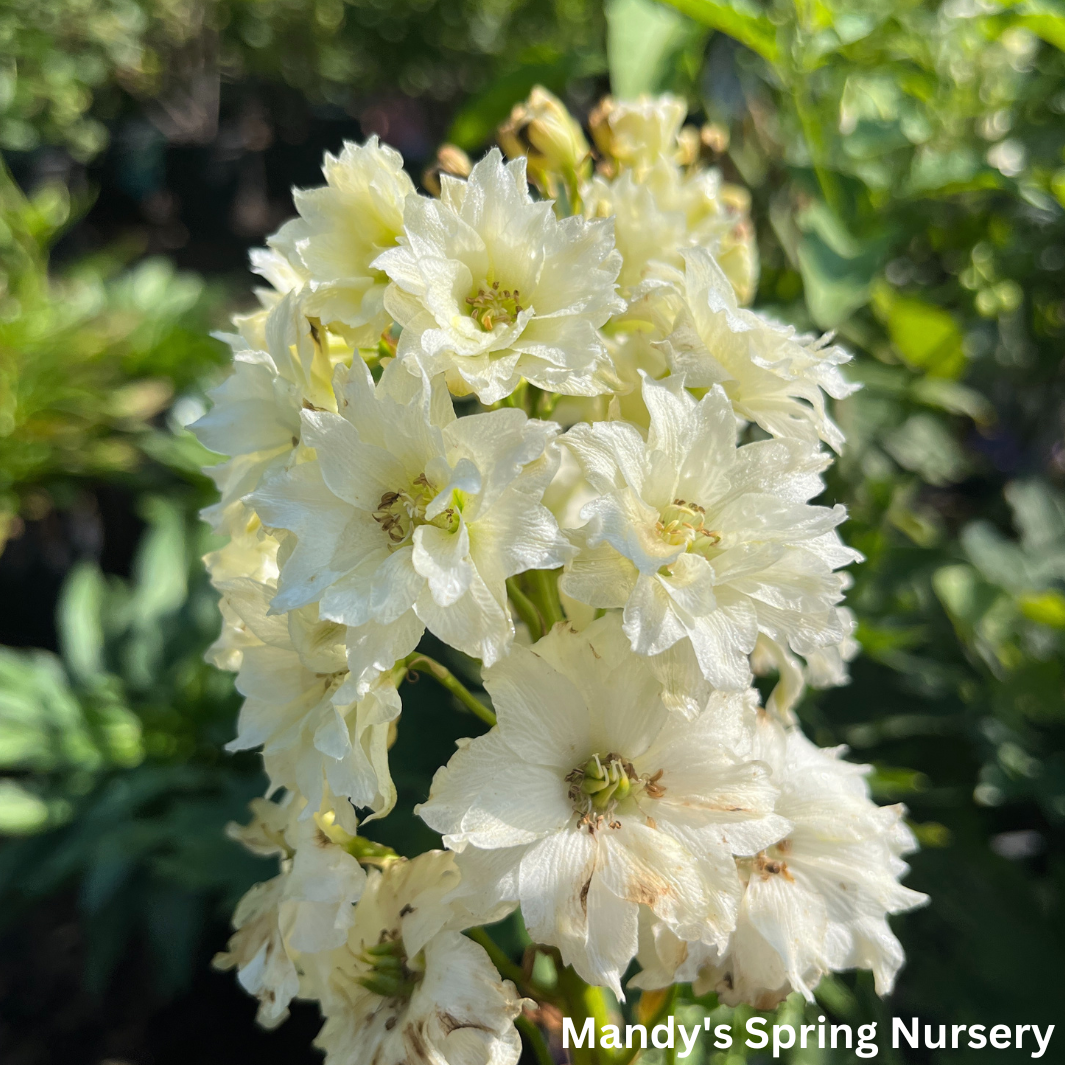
x: 602, y: 783
x: 400, y: 513
x: 682, y: 524
x: 389, y: 974
x: 493, y: 306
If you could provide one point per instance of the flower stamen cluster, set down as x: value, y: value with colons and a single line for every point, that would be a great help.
x: 399, y: 513
x: 493, y: 306
x: 682, y: 523
x: 390, y: 974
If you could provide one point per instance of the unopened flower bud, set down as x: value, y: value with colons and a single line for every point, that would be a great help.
x: 688, y: 146
x: 449, y: 160
x: 715, y: 137
x: 548, y: 136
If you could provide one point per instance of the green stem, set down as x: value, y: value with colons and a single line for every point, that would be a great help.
x: 509, y: 969
x: 545, y: 595
x: 517, y: 397
x: 582, y: 1001
x: 526, y: 609
x: 535, y: 1039
x: 418, y: 662
x: 370, y: 852
x: 663, y: 1011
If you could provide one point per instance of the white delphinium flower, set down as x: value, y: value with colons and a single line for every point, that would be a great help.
x: 636, y: 134
x: 410, y: 518
x: 316, y: 737
x: 343, y: 227
x: 696, y: 539
x: 408, y: 989
x: 249, y: 553
x: 590, y: 799
x: 815, y: 902
x: 307, y: 908
x: 663, y: 211
x: 773, y: 375
x: 490, y: 287
x: 825, y: 667
x: 255, y: 413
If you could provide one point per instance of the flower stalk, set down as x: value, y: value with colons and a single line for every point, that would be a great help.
x: 420, y: 663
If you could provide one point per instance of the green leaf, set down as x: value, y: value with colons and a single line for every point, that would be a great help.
x: 927, y: 337
x: 642, y: 37
x: 160, y: 570
x: 953, y: 397
x: 1050, y: 28
x: 20, y: 812
x: 837, y: 267
x: 79, y: 618
x: 999, y: 560
x: 1046, y: 608
x: 923, y: 444
x: 754, y: 31
x: 1038, y: 513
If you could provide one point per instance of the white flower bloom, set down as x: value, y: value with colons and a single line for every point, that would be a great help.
x: 491, y: 287
x: 589, y: 799
x: 316, y: 738
x: 663, y: 211
x: 257, y: 951
x: 411, y: 518
x: 636, y: 134
x: 407, y: 989
x: 255, y: 416
x: 343, y: 227
x: 825, y: 667
x: 307, y: 908
x: 699, y: 540
x: 774, y: 376
x: 815, y: 902
x: 249, y: 553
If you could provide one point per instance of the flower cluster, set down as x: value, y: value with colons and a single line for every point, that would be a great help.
x: 616, y: 523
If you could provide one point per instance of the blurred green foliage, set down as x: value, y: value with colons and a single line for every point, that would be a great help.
x: 87, y: 359
x: 114, y: 747
x: 907, y: 165
x: 70, y: 66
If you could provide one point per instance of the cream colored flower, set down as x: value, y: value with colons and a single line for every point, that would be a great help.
x: 773, y: 375
x: 255, y: 413
x: 589, y: 800
x: 636, y: 134
x: 662, y: 211
x: 409, y: 518
x: 696, y: 539
x: 490, y: 287
x: 826, y: 667
x: 318, y: 737
x: 343, y: 227
x: 407, y: 988
x: 815, y: 902
x: 307, y: 908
